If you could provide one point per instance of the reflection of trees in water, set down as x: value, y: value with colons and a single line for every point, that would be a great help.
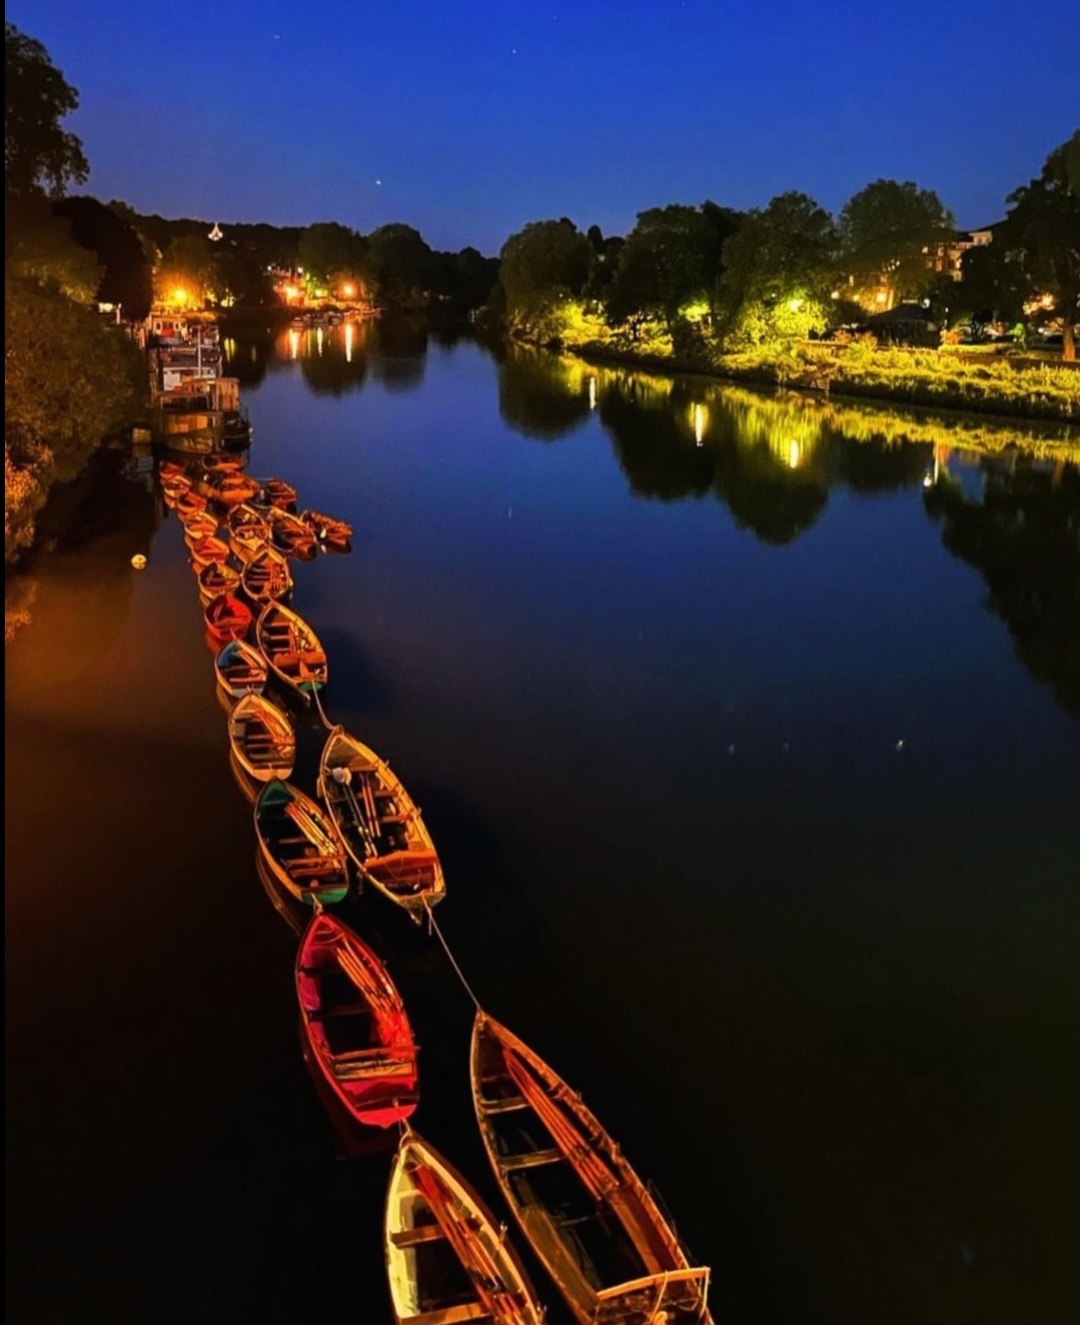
x: 330, y: 374
x: 333, y: 360
x: 541, y: 396
x: 111, y: 511
x: 1024, y: 539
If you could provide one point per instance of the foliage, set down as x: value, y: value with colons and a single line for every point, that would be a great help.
x: 887, y: 229
x: 777, y: 268
x: 330, y: 253
x: 399, y: 262
x: 1043, y: 229
x: 69, y: 381
x: 126, y: 273
x: 39, y: 246
x: 187, y: 266
x: 671, y: 257
x: 39, y: 155
x: 542, y: 265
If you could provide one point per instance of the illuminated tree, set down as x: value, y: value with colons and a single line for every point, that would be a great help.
x: 39, y: 155
x: 543, y: 264
x: 331, y: 253
x: 777, y: 270
x: 1043, y: 229
x: 671, y: 259
x: 888, y: 231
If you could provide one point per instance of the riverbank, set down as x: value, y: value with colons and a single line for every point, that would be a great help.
x: 935, y: 378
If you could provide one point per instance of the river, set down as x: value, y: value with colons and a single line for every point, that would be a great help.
x: 749, y: 735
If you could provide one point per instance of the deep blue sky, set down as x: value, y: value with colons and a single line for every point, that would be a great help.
x: 469, y: 120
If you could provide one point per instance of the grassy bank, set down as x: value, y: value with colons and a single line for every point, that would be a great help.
x: 936, y: 378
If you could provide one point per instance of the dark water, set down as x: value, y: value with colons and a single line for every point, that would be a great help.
x: 749, y: 736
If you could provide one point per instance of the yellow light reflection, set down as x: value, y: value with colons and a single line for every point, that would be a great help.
x: 294, y: 344
x: 318, y: 338
x: 701, y: 422
x: 794, y: 455
x: 592, y: 392
x: 348, y: 342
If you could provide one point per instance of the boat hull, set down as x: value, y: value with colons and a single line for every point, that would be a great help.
x: 355, y: 1024
x: 307, y: 861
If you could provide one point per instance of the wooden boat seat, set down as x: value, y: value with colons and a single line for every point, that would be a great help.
x: 414, y: 1237
x: 463, y: 1314
x: 304, y: 866
x: 340, y: 1010
x: 532, y: 1160
x: 508, y: 1105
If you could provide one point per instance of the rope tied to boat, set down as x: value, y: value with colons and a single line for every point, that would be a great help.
x: 433, y: 928
x: 322, y: 712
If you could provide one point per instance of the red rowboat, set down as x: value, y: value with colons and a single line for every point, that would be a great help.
x: 355, y: 1023
x: 227, y: 618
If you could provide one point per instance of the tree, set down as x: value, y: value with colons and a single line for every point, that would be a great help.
x: 778, y: 267
x: 888, y: 231
x: 542, y: 265
x: 670, y: 259
x: 1043, y: 228
x: 331, y: 253
x: 399, y: 263
x: 186, y: 274
x: 126, y: 273
x: 39, y: 156
x: 992, y: 287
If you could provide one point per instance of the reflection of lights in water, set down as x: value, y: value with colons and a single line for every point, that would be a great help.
x: 318, y: 338
x: 794, y: 455
x: 294, y: 344
x: 230, y: 346
x: 348, y: 342
x: 701, y: 422
x: 592, y: 392
x: 928, y: 481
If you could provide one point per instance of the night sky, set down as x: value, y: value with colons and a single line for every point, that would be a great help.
x: 468, y: 120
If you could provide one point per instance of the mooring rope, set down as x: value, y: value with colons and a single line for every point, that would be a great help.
x: 322, y: 712
x: 433, y: 928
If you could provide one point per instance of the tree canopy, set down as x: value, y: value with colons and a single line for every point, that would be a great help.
x: 887, y: 230
x: 542, y: 263
x: 1043, y: 229
x: 40, y: 156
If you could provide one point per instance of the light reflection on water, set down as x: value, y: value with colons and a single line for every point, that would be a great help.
x: 755, y: 784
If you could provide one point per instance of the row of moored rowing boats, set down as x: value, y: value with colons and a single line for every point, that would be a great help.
x: 587, y: 1216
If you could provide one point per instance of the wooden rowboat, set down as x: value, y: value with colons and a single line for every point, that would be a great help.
x: 201, y: 524
x: 171, y: 469
x: 231, y: 488
x: 334, y: 535
x: 587, y: 1215
x: 246, y: 514
x: 217, y: 577
x: 189, y: 502
x: 207, y: 549
x: 437, y: 1227
x: 267, y: 576
x: 292, y: 649
x: 380, y: 826
x: 299, y: 845
x: 276, y: 492
x: 222, y: 464
x: 240, y: 669
x: 291, y: 536
x: 262, y: 739
x: 227, y: 617
x: 355, y: 1024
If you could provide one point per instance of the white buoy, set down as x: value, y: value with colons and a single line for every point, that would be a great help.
x: 138, y: 561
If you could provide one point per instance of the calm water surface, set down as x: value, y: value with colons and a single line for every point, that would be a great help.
x: 749, y: 736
